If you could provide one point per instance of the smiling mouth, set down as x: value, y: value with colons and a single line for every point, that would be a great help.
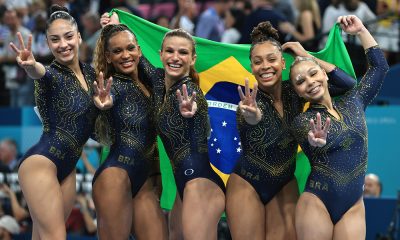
x: 174, y: 65
x: 126, y: 64
x: 314, y: 89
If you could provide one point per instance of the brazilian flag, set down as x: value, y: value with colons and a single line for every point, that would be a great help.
x: 222, y: 67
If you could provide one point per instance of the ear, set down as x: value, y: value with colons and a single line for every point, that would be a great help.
x: 139, y: 51
x: 326, y: 75
x: 80, y: 38
x: 283, y: 63
x: 193, y: 60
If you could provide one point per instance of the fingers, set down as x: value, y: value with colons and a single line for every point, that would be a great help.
x: 312, y: 125
x: 14, y: 48
x: 319, y: 124
x: 246, y: 87
x: 21, y: 40
x: 241, y: 94
x: 327, y: 125
x: 30, y: 43
x: 109, y: 83
x: 100, y: 81
x: 185, y: 92
x: 192, y: 99
x: 179, y: 96
x: 95, y: 88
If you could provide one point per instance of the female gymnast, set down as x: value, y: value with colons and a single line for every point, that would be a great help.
x: 63, y: 95
x: 332, y: 206
x: 122, y: 191
x: 262, y: 191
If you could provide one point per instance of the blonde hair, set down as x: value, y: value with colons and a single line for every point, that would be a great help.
x: 313, y: 7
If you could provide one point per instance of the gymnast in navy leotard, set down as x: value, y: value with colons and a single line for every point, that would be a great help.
x: 333, y: 193
x: 264, y: 174
x: 183, y: 126
x: 63, y: 96
x: 122, y: 180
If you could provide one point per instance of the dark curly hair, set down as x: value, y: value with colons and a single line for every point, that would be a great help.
x: 264, y: 32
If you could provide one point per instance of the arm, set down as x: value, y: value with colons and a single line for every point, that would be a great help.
x: 87, y: 164
x: 372, y: 81
x: 19, y: 213
x: 339, y: 82
x: 26, y: 60
x: 87, y: 217
x: 306, y: 22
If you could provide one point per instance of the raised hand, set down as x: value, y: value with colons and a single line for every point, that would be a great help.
x: 106, y: 19
x: 295, y: 48
x: 351, y: 24
x: 187, y: 105
x: 248, y: 105
x: 102, y: 97
x: 24, y: 58
x: 318, y: 133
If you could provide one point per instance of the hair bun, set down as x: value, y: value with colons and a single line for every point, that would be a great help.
x: 56, y: 7
x: 262, y: 32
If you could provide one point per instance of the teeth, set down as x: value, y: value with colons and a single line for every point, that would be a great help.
x: 126, y: 64
x: 266, y: 75
x: 314, y: 89
x: 174, y: 65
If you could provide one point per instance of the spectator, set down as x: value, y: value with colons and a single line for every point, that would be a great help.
x: 8, y: 154
x: 211, y: 24
x: 21, y: 90
x: 186, y: 16
x: 263, y: 11
x: 17, y: 211
x: 387, y: 32
x: 8, y: 227
x: 372, y: 186
x: 233, y: 24
x: 90, y: 158
x: 308, y: 25
x: 91, y: 32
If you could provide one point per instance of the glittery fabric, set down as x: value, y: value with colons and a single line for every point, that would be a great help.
x: 268, y: 161
x: 68, y: 114
x: 132, y: 120
x: 338, y: 168
x: 184, y: 139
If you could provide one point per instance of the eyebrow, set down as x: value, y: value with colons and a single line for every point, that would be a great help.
x: 54, y: 35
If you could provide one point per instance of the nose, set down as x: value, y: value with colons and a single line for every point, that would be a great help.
x: 265, y: 65
x: 125, y: 54
x: 175, y: 56
x: 63, y: 43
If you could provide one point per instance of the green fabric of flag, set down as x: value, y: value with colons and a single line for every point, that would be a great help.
x: 231, y: 63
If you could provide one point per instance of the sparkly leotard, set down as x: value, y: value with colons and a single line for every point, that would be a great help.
x: 132, y: 121
x: 338, y: 168
x: 185, y: 139
x: 268, y: 161
x: 68, y: 114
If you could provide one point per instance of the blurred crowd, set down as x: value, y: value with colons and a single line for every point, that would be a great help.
x: 230, y: 21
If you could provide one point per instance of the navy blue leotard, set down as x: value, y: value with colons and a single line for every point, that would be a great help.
x: 268, y: 160
x: 184, y: 139
x: 338, y: 168
x: 68, y: 115
x: 132, y: 121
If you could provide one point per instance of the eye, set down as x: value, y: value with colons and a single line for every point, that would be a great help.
x: 116, y: 51
x: 131, y: 47
x: 183, y: 52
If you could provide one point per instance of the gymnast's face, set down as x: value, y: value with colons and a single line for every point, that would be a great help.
x: 64, y: 39
x: 177, y: 56
x: 267, y: 64
x: 123, y: 53
x: 310, y: 81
